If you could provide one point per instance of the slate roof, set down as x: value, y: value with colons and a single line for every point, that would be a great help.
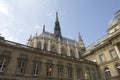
x: 52, y: 36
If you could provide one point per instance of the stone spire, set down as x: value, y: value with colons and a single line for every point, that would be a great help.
x: 79, y: 36
x: 81, y: 43
x: 30, y: 37
x: 43, y: 28
x: 57, y: 30
x: 36, y: 34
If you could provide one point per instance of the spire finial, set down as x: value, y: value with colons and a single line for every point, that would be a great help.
x: 56, y: 16
x: 36, y: 34
x: 43, y: 28
x: 30, y: 37
x: 79, y: 36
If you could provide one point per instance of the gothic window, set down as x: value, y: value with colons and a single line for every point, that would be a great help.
x: 72, y: 53
x: 118, y: 67
x: 3, y: 63
x: 45, y: 46
x: 70, y: 71
x: 39, y: 45
x: 107, y: 72
x: 113, y: 54
x: 36, y: 67
x: 21, y: 65
x: 53, y: 48
x: 63, y: 51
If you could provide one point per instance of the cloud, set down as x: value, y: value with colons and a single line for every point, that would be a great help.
x: 5, y: 33
x: 6, y: 21
x: 4, y: 8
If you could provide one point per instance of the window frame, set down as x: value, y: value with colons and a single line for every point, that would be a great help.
x: 102, y: 59
x: 116, y: 67
x: 60, y: 71
x: 70, y: 71
x: 36, y: 72
x: 23, y: 60
x: 107, y: 72
x: 5, y: 64
x: 113, y: 54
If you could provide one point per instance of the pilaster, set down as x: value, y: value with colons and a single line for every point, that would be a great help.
x: 35, y: 42
x: 117, y: 50
x: 43, y: 41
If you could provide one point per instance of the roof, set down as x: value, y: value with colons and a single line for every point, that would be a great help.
x: 114, y: 20
x: 97, y: 42
x: 52, y: 36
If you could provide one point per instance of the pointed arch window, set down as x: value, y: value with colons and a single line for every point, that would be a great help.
x: 45, y: 46
x: 39, y: 45
x: 72, y: 53
x: 53, y: 48
x: 107, y: 72
x: 63, y: 51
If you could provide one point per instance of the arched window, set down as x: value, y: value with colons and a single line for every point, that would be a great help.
x: 107, y: 72
x: 53, y: 48
x: 45, y: 46
x: 118, y: 67
x: 39, y: 45
x: 72, y: 53
x: 63, y: 51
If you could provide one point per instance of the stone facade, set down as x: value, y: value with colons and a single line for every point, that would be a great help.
x: 106, y: 51
x: 46, y: 57
x: 50, y: 56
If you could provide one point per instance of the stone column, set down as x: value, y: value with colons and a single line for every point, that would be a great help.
x: 59, y: 48
x: 76, y: 51
x: 117, y: 50
x: 77, y: 56
x: 49, y: 44
x: 68, y: 50
x: 43, y: 41
x: 35, y: 42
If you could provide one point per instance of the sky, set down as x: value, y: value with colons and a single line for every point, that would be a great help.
x: 21, y: 18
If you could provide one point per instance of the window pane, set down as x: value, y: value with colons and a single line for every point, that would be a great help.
x: 20, y: 67
x: 36, y: 70
x: 3, y: 64
x: 113, y: 53
x: 107, y: 71
x: 102, y: 58
x: 118, y: 67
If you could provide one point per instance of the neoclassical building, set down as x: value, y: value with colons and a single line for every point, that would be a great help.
x: 106, y: 51
x: 47, y: 56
